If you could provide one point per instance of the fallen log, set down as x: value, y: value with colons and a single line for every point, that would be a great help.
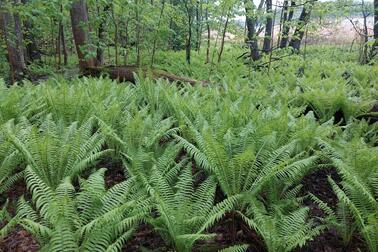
x: 127, y: 73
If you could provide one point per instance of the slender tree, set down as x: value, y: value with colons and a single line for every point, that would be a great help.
x: 251, y: 28
x: 287, y: 17
x: 375, y: 46
x: 63, y: 40
x: 376, y: 20
x: 208, y: 33
x: 223, y: 38
x: 157, y: 29
x: 188, y: 45
x: 32, y: 52
x: 80, y: 30
x: 10, y: 24
x: 299, y: 32
x: 101, y: 33
x: 268, y: 27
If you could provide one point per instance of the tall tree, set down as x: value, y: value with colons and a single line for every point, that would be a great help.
x: 287, y: 17
x: 80, y: 30
x: 268, y: 27
x: 376, y: 23
x: 188, y: 45
x: 10, y: 24
x: 101, y: 33
x: 32, y: 52
x: 296, y: 40
x: 251, y: 21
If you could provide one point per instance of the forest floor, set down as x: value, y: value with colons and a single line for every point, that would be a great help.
x: 227, y: 232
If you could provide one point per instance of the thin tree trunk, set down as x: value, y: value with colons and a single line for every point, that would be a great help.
x: 80, y: 30
x: 53, y: 41
x: 223, y: 38
x: 251, y: 29
x: 101, y: 35
x: 208, y: 35
x: 365, y: 58
x: 200, y: 28
x: 198, y: 23
x: 188, y: 46
x: 374, y: 50
x: 268, y: 27
x: 286, y: 26
x: 63, y: 41
x: 295, y: 42
x: 157, y: 29
x: 376, y: 21
x: 138, y: 31
x: 126, y: 41
x: 12, y: 32
x: 115, y: 38
x: 32, y: 52
x: 58, y: 47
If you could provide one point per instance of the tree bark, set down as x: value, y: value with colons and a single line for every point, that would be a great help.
x: 138, y: 31
x: 286, y: 26
x: 375, y: 28
x: 80, y: 30
x: 127, y: 73
x: 11, y: 27
x: 63, y: 41
x: 198, y: 25
x: 296, y: 40
x: 32, y: 52
x: 223, y: 38
x: 156, y: 35
x: 268, y: 28
x: 376, y: 21
x: 208, y: 35
x: 251, y: 29
x: 101, y: 35
x: 188, y: 45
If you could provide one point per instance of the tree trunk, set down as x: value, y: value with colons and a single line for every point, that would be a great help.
x: 251, y: 30
x: 58, y: 47
x: 222, y: 41
x: 375, y: 45
x: 11, y: 27
x: 376, y: 20
x: 115, y: 38
x: 286, y: 26
x: 127, y: 73
x: 101, y: 35
x: 138, y: 31
x: 268, y: 27
x: 32, y: 52
x: 208, y: 35
x: 296, y: 40
x: 198, y: 26
x: 80, y: 30
x: 188, y: 46
x: 156, y: 35
x: 126, y: 41
x: 63, y: 41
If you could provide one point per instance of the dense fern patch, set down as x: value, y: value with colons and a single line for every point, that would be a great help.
x: 254, y: 162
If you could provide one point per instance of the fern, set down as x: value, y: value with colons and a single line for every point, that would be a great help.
x: 84, y: 221
x: 54, y: 151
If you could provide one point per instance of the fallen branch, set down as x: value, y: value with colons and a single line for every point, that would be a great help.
x: 126, y: 73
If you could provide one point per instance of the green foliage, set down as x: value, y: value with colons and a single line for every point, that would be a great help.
x: 55, y: 152
x: 357, y: 192
x: 93, y: 219
x: 190, y: 156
